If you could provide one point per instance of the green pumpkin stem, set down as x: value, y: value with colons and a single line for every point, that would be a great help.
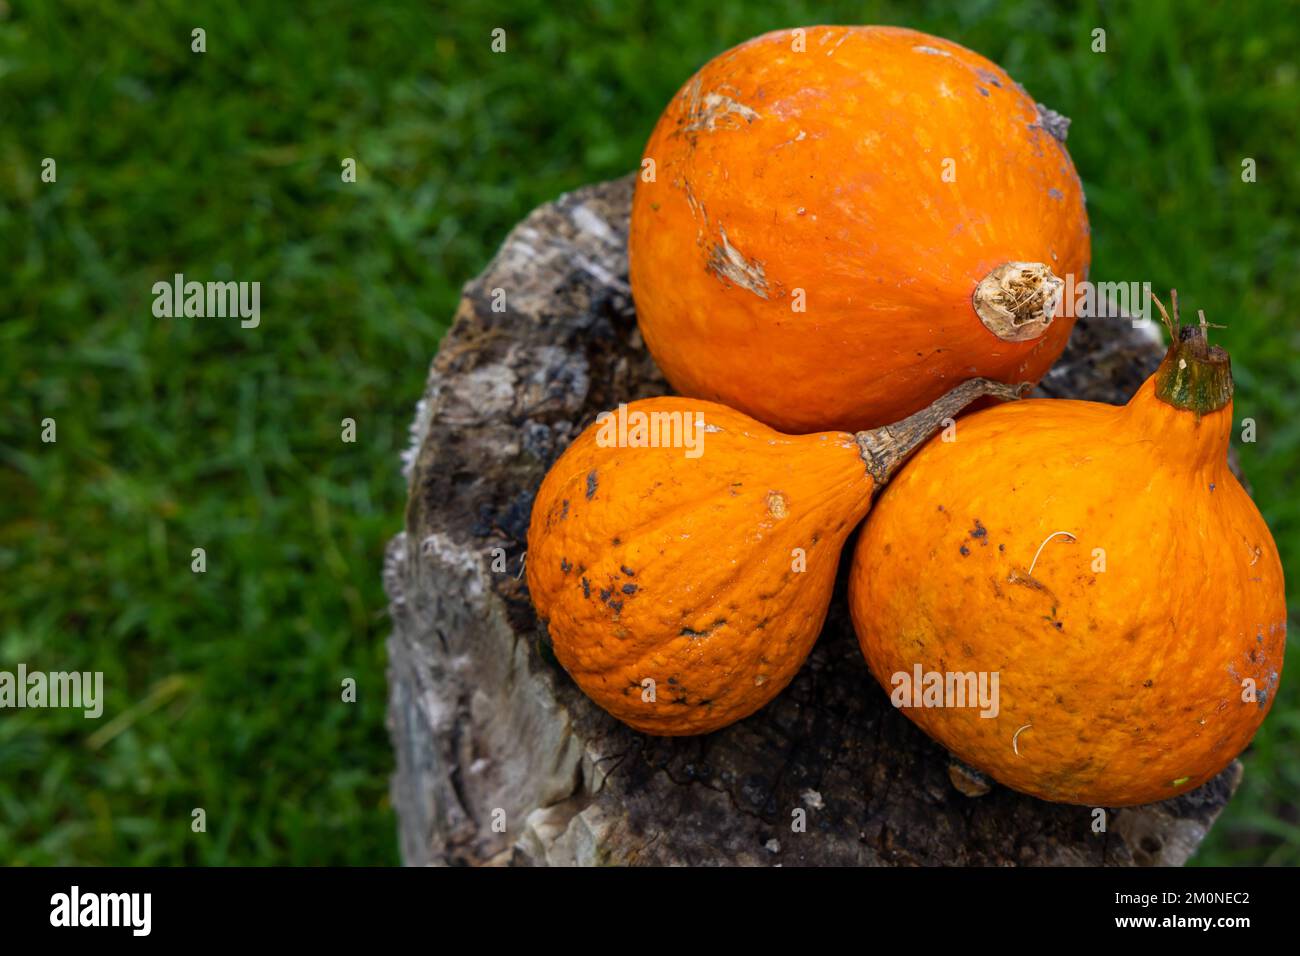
x: 1194, y: 376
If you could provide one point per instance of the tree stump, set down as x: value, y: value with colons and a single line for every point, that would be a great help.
x: 501, y: 759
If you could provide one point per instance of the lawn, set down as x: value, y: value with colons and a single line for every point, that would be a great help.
x: 224, y: 688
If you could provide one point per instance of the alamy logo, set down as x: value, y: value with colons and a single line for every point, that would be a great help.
x: 83, y: 690
x: 103, y: 909
x: 639, y: 429
x: 946, y: 689
x: 1102, y: 300
x: 219, y: 300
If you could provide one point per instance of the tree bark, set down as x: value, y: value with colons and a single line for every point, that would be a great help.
x: 501, y: 759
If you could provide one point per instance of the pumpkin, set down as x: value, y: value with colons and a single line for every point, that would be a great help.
x: 683, y: 554
x: 867, y: 215
x: 1104, y: 564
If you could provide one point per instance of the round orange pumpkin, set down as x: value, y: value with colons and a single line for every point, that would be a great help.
x: 683, y: 554
x: 864, y: 215
x: 1104, y: 566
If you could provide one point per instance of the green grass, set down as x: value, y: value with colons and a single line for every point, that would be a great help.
x: 223, y: 689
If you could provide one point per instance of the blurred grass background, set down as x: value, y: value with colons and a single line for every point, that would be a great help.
x: 223, y: 689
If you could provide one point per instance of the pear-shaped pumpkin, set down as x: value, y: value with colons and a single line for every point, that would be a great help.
x: 683, y: 554
x: 1100, y: 571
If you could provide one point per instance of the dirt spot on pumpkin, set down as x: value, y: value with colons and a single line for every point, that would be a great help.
x: 777, y: 505
x: 716, y: 110
x: 1025, y: 578
x: 980, y: 533
x: 691, y: 632
x: 726, y: 262
x: 1054, y: 123
x: 591, y: 484
x: 698, y: 212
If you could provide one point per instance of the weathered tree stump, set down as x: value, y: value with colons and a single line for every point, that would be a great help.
x: 501, y: 759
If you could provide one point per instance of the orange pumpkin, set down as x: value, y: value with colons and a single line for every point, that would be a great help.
x: 866, y: 215
x: 683, y: 554
x: 1105, y: 565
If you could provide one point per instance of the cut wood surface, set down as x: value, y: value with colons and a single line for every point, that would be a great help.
x: 502, y: 760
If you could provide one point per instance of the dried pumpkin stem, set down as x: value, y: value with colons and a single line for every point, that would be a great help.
x: 1017, y: 301
x: 885, y: 449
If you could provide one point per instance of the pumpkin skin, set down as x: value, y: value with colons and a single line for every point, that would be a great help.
x: 1119, y: 683
x: 819, y: 174
x: 648, y: 563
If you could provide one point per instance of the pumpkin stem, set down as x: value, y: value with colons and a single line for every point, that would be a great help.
x: 1017, y: 301
x: 1194, y: 376
x: 885, y: 449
